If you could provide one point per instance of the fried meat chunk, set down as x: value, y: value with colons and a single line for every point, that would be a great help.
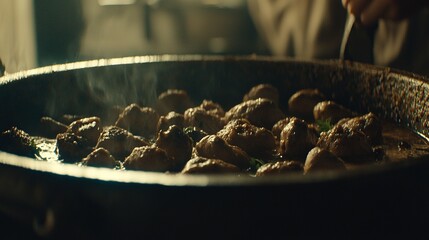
x: 255, y: 141
x: 212, y: 108
x: 321, y: 159
x: 331, y: 111
x: 369, y: 124
x: 278, y: 127
x: 177, y: 145
x: 260, y: 112
x: 280, y: 167
x: 100, y: 157
x: 265, y: 90
x: 18, y: 142
x: 148, y: 158
x: 173, y: 100
x: 346, y: 143
x: 88, y: 128
x: 297, y: 139
x: 203, y: 120
x: 214, y: 147
x: 301, y: 103
x: 201, y: 165
x: 139, y: 121
x: 67, y: 119
x: 172, y: 118
x: 119, y: 142
x: 71, y: 147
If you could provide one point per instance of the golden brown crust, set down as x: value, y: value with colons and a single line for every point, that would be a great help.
x: 255, y: 141
x: 100, y: 157
x: 119, y: 142
x: 203, y: 120
x: 296, y: 139
x: 301, y: 103
x: 331, y: 111
x: 212, y: 146
x: 281, y: 167
x: 321, y: 159
x: 173, y: 100
x: 200, y: 165
x: 177, y: 145
x: 148, y: 158
x: 139, y: 121
x: 267, y: 91
x: 260, y: 112
x: 172, y: 118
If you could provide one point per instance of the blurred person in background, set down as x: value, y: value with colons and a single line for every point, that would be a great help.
x: 313, y: 29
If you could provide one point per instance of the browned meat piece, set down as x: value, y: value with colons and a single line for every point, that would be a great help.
x: 148, y: 158
x: 301, y: 104
x: 321, y: 159
x: 255, y: 141
x: 172, y: 118
x: 263, y: 91
x: 369, y: 124
x: 349, y: 145
x: 282, y: 167
x: 260, y: 112
x: 50, y: 128
x: 67, y: 119
x: 177, y: 145
x: 212, y: 108
x: 139, y: 121
x: 173, y: 100
x: 296, y: 139
x: 88, y: 128
x: 119, y: 142
x: 100, y: 157
x: 329, y: 110
x: 18, y: 142
x: 201, y: 119
x: 214, y: 147
x: 200, y: 165
x: 71, y: 147
x: 278, y: 127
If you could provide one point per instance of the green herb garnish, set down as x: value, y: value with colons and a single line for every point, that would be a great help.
x: 324, y: 125
x: 255, y: 164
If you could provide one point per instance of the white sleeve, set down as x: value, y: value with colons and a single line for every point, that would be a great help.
x: 303, y: 29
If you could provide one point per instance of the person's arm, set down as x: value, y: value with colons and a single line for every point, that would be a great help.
x: 369, y: 11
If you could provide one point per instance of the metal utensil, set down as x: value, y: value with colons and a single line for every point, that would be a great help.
x: 358, y: 41
x: 350, y: 22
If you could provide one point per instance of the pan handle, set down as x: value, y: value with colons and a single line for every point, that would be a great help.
x: 63, y: 217
x: 42, y: 220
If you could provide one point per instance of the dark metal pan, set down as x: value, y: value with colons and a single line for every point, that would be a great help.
x: 67, y: 201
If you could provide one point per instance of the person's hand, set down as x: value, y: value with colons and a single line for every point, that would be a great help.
x: 369, y: 11
x: 2, y: 69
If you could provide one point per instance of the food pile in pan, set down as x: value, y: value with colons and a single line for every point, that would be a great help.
x: 254, y: 137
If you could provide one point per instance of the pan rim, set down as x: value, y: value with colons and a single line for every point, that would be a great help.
x: 103, y: 62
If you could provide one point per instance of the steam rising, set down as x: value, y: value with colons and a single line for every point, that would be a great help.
x: 113, y: 87
x: 97, y: 91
